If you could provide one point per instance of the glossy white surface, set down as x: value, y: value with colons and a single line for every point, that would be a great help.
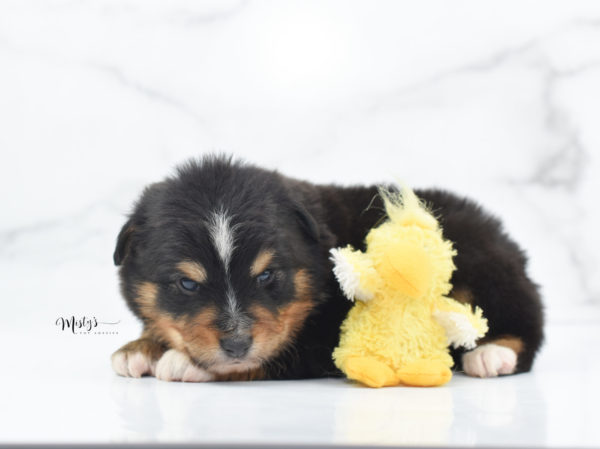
x: 495, y: 99
x: 61, y: 389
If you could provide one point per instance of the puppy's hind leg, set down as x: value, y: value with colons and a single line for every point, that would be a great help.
x: 491, y: 272
x: 498, y: 357
x: 515, y: 319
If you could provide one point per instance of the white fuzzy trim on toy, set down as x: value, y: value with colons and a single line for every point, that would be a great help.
x: 459, y: 330
x: 347, y: 277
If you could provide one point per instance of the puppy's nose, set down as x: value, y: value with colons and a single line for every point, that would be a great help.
x: 236, y: 347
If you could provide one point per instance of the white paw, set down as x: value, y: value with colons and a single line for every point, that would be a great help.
x: 176, y: 366
x: 489, y: 360
x: 132, y: 364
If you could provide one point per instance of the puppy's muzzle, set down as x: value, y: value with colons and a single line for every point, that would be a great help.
x: 236, y: 347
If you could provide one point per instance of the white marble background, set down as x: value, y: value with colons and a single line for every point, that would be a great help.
x: 499, y: 100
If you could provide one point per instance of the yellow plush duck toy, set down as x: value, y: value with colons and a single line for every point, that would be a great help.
x: 399, y: 330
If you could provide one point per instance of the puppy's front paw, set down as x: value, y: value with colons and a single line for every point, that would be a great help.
x: 176, y: 366
x: 137, y: 358
x: 489, y: 360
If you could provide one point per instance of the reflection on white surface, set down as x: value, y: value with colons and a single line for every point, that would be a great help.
x: 68, y: 390
x: 406, y: 416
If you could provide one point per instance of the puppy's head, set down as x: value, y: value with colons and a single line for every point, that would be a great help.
x: 223, y: 262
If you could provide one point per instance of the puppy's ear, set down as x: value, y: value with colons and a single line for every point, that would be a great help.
x: 307, y: 222
x: 123, y: 242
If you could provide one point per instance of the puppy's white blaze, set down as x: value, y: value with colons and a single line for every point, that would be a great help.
x: 232, y: 305
x: 221, y: 234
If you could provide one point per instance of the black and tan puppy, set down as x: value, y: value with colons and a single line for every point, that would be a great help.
x: 227, y: 265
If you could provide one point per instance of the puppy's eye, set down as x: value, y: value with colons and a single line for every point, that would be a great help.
x: 188, y: 284
x: 264, y: 278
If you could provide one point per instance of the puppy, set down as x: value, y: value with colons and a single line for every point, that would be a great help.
x: 227, y: 265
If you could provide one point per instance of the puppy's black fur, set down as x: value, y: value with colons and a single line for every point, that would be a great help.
x: 288, y: 316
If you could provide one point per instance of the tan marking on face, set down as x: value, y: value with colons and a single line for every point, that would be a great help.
x: 194, y: 335
x: 192, y: 270
x: 147, y: 293
x: 272, y: 332
x: 514, y: 343
x: 261, y: 262
x: 302, y: 283
x: 462, y: 295
x: 174, y: 335
x: 200, y: 330
x: 201, y: 337
x: 147, y: 346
